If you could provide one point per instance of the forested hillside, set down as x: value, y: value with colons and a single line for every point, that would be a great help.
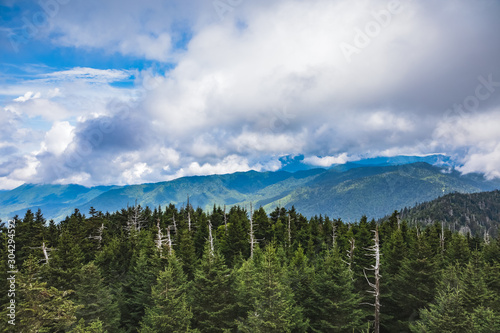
x: 188, y: 270
x: 477, y: 213
x: 346, y: 191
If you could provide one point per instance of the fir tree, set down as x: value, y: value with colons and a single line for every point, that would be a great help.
x: 333, y: 305
x: 97, y: 303
x: 274, y: 308
x: 42, y: 308
x: 211, y: 293
x: 170, y: 311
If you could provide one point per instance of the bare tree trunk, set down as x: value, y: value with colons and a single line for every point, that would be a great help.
x: 441, y: 237
x: 486, y: 237
x: 210, y: 238
x: 159, y: 236
x: 375, y: 249
x: 169, y: 242
x: 189, y: 214
x: 377, y: 283
x: 350, y: 252
x: 252, y: 237
x: 100, y: 230
x: 45, y: 253
x: 289, y: 232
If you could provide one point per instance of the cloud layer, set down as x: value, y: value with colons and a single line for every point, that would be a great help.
x: 244, y: 84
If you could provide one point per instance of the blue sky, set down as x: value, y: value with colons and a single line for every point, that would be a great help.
x: 122, y: 92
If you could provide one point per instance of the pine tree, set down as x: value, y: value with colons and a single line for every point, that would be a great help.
x: 62, y: 271
x: 213, y: 301
x: 447, y: 315
x: 395, y: 251
x: 413, y: 287
x: 300, y: 276
x: 236, y: 241
x: 274, y: 308
x: 95, y: 298
x: 136, y: 292
x: 334, y: 304
x: 170, y: 311
x: 42, y: 308
x: 186, y: 251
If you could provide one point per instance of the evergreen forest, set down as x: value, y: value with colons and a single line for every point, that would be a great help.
x: 182, y: 269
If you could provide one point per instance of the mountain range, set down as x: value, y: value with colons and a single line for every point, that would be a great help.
x: 475, y: 213
x: 346, y: 191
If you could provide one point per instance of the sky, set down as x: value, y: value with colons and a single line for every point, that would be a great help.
x: 127, y: 92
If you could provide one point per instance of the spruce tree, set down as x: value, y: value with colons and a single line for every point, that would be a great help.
x: 334, y: 304
x: 213, y: 301
x: 446, y: 315
x: 42, y: 308
x: 413, y: 287
x: 96, y: 300
x: 170, y: 311
x: 136, y: 291
x: 274, y: 308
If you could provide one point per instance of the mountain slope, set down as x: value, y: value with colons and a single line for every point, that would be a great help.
x: 476, y: 213
x: 346, y: 193
x: 374, y: 191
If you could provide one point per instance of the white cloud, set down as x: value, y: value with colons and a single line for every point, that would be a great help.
x: 230, y: 164
x: 486, y: 161
x: 58, y: 138
x: 85, y: 74
x: 26, y: 97
x: 327, y: 161
x: 268, y: 80
x: 135, y: 174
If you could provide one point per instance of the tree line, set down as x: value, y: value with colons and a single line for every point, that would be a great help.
x: 183, y: 269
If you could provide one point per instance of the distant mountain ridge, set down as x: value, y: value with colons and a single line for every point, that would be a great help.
x: 344, y: 191
x: 477, y: 213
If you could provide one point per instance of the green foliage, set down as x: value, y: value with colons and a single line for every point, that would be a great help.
x: 346, y: 192
x: 333, y: 306
x: 42, y: 308
x: 273, y: 308
x: 170, y: 311
x: 211, y: 293
x: 96, y: 301
x: 305, y: 280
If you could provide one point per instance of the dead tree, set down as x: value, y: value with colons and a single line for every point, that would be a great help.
x: 173, y: 221
x: 375, y: 252
x: 441, y: 237
x: 210, y: 238
x: 253, y: 241
x: 159, y: 237
x: 486, y: 237
x: 100, y: 230
x: 45, y: 251
x: 289, y: 232
x: 135, y: 221
x: 169, y: 242
x: 350, y: 253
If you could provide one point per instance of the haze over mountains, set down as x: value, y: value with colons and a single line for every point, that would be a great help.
x: 371, y: 187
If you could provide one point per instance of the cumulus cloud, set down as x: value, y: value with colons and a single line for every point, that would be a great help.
x: 264, y: 80
x: 58, y: 138
x: 327, y: 161
x: 26, y: 97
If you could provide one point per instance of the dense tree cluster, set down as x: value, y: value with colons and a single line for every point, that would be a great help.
x: 477, y: 213
x: 186, y: 270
